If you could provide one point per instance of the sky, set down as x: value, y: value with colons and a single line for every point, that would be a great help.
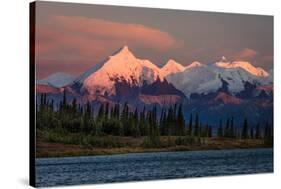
x: 72, y: 38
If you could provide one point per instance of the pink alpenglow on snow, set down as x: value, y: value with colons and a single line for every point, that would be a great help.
x: 171, y: 67
x: 194, y: 64
x: 122, y: 66
x: 257, y: 71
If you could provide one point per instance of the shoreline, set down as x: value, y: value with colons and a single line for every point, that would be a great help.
x: 49, y: 150
x: 141, y: 152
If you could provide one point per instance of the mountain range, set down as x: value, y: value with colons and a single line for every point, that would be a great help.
x: 223, y: 87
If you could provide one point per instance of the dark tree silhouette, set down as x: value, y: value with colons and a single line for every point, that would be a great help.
x: 245, y: 130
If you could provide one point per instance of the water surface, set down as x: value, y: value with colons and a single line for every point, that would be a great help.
x: 151, y: 166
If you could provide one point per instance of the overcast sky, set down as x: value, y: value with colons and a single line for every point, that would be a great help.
x: 72, y: 38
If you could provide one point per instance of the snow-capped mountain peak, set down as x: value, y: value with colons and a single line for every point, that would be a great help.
x: 257, y: 71
x: 123, y: 55
x: 204, y: 79
x: 122, y: 66
x: 171, y: 67
x: 223, y: 59
x: 57, y: 80
x: 194, y: 64
x: 123, y: 52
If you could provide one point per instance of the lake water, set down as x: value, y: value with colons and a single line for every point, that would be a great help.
x: 151, y: 166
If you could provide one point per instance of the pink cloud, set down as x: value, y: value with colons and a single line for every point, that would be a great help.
x: 80, y: 37
x: 247, y: 53
x: 74, y: 67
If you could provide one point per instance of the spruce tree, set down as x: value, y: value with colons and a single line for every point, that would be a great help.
x: 196, y: 127
x: 170, y: 121
x: 100, y: 113
x: 87, y: 117
x: 74, y: 105
x: 52, y: 105
x: 106, y: 112
x: 252, y: 133
x: 180, y: 122
x: 136, y: 123
x: 112, y: 112
x: 125, y: 120
x: 220, y: 130
x: 190, y: 125
x: 227, y: 129
x: 142, y: 123
x: 174, y: 120
x: 164, y: 123
x: 210, y: 134
x: 45, y: 99
x: 245, y: 130
x: 41, y: 100
x: 258, y: 132
x: 232, y: 130
x: 64, y: 99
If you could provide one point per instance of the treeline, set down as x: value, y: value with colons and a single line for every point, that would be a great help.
x: 125, y: 121
x: 246, y: 132
x: 117, y: 119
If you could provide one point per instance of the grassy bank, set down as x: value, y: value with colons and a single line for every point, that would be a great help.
x: 50, y: 144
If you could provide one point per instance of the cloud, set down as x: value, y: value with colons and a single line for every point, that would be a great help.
x: 247, y: 53
x: 81, y: 37
x: 257, y: 58
x: 47, y: 67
